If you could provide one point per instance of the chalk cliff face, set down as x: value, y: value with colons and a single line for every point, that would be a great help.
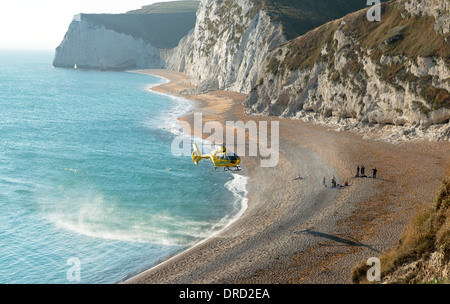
x: 353, y: 73
x: 87, y: 45
x: 228, y: 44
x: 130, y: 40
x: 232, y: 38
x: 350, y: 72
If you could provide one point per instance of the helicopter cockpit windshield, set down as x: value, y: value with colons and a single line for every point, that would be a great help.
x: 232, y: 156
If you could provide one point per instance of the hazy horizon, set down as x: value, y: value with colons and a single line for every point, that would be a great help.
x: 30, y: 24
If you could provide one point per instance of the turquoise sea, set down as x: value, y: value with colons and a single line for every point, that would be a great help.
x: 89, y: 189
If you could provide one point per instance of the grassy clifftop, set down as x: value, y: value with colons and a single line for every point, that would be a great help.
x: 298, y: 17
x: 168, y: 7
x: 397, y: 34
x: 161, y: 24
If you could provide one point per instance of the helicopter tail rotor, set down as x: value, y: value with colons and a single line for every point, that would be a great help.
x: 196, y: 155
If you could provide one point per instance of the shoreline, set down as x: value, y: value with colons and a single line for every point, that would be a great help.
x: 243, y: 200
x: 300, y: 231
x: 168, y: 259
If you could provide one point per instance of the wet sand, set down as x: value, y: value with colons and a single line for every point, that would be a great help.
x: 298, y: 230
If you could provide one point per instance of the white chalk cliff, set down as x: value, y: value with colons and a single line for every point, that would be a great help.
x: 232, y: 38
x: 359, y: 75
x: 228, y: 44
x: 91, y: 46
x: 350, y: 73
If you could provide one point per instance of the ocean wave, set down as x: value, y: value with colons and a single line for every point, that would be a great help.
x: 238, y: 186
x: 168, y: 120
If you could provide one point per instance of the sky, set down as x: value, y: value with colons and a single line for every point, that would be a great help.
x: 41, y: 24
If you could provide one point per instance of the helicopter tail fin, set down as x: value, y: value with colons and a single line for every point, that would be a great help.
x: 196, y: 155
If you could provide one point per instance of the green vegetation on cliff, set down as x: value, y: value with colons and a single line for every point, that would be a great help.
x: 428, y: 233
x: 168, y: 7
x: 398, y: 34
x: 298, y: 17
x: 411, y: 36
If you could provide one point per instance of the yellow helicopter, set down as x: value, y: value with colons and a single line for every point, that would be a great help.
x: 220, y: 158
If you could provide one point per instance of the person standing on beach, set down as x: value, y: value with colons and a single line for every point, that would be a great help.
x: 374, y: 172
x: 333, y: 181
x: 324, y: 181
x: 357, y: 171
x: 363, y: 169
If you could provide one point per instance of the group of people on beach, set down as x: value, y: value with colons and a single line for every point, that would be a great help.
x: 360, y: 172
x: 334, y: 184
x: 362, y: 169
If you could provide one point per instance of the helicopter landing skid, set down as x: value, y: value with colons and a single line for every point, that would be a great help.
x: 237, y: 168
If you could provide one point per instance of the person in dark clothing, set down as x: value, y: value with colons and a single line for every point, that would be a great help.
x: 363, y: 170
x: 357, y: 171
x: 374, y: 170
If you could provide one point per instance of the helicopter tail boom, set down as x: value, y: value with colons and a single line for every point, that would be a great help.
x: 197, y: 155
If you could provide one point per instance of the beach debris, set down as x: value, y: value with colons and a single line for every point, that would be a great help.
x: 298, y: 178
